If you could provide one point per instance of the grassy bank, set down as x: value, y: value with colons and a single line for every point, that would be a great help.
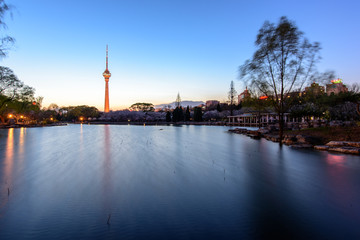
x: 328, y: 134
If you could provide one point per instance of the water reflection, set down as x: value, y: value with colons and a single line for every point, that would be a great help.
x: 7, y: 168
x: 107, y: 171
x: 9, y: 157
x: 333, y: 159
x: 170, y: 184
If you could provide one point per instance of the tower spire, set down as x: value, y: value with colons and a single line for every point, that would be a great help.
x: 106, y: 57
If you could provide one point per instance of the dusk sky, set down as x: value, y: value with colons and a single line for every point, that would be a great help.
x: 158, y: 48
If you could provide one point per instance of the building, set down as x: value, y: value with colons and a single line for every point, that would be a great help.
x: 106, y: 75
x: 242, y: 96
x: 315, y: 89
x: 211, y: 103
x: 335, y: 87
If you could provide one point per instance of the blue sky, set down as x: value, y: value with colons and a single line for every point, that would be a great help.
x: 158, y: 48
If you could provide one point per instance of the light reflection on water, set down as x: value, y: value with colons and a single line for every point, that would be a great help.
x: 171, y: 182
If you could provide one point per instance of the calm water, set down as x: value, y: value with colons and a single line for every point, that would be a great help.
x: 164, y: 182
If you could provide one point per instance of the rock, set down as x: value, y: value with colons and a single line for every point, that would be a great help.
x: 321, y: 147
x: 351, y: 150
x: 289, y: 139
x: 263, y: 131
x: 253, y: 136
x: 335, y: 143
x: 308, y: 140
x: 271, y: 137
x: 275, y: 138
x: 301, y: 145
x: 343, y: 143
x: 253, y: 133
x: 353, y: 144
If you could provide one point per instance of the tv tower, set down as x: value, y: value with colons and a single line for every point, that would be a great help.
x: 106, y: 75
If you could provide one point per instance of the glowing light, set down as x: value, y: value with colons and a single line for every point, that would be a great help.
x: 10, y: 115
x: 263, y: 97
x: 33, y: 103
x: 51, y: 119
x: 339, y: 80
x: 81, y: 118
x: 21, y: 116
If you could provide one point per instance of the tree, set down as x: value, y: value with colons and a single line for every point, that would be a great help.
x: 197, y: 114
x: 283, y: 62
x: 5, y: 41
x: 75, y: 112
x: 12, y: 89
x: 178, y: 101
x: 232, y: 95
x: 178, y: 114
x: 218, y: 107
x: 145, y: 107
x: 168, y: 116
x: 187, y: 114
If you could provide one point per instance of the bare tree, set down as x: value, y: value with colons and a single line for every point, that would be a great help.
x: 178, y: 101
x: 232, y: 96
x: 283, y: 62
x: 5, y: 40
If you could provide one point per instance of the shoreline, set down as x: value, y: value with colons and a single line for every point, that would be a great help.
x: 308, y: 139
x: 32, y: 125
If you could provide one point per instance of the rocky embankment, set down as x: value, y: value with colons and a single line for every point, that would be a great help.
x: 302, y: 141
x: 341, y: 146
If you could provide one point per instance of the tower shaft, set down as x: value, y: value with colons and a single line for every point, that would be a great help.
x: 106, y: 107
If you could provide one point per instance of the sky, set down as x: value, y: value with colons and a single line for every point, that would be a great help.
x: 159, y: 48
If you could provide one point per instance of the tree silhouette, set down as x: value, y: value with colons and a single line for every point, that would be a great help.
x: 197, y: 114
x: 187, y: 114
x: 232, y: 95
x: 283, y: 61
x: 168, y: 116
x: 5, y: 41
x: 12, y: 89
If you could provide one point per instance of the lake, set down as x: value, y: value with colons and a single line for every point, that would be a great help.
x: 171, y: 182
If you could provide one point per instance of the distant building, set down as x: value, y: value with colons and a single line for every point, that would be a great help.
x: 315, y: 89
x: 211, y: 103
x: 336, y: 86
x: 242, y: 96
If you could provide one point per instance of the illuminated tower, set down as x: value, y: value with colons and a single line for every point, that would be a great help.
x: 106, y: 75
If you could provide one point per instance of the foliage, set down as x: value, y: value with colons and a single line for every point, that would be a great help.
x: 187, y: 114
x: 72, y: 113
x: 197, y: 114
x: 145, y: 107
x: 15, y: 96
x: 168, y: 116
x: 178, y: 114
x: 218, y: 107
x: 341, y: 106
x: 133, y: 116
